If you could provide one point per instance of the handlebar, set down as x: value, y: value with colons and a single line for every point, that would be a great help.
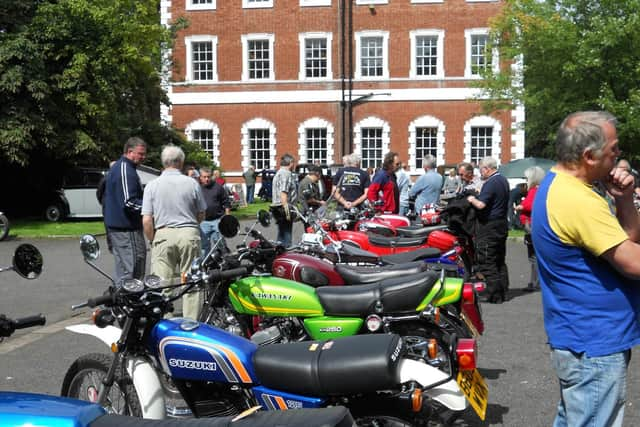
x: 8, y: 326
x: 29, y: 321
x: 101, y: 300
x: 217, y: 275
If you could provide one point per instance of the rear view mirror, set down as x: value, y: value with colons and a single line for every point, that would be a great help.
x: 264, y: 218
x: 89, y: 247
x: 27, y: 261
x: 229, y: 226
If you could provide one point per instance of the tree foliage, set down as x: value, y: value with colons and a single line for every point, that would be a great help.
x: 77, y: 77
x: 577, y: 55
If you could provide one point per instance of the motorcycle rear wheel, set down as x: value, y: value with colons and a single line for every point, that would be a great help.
x: 4, y: 227
x: 84, y: 378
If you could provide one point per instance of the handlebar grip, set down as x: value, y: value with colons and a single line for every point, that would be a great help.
x: 229, y: 274
x: 104, y: 299
x: 29, y: 322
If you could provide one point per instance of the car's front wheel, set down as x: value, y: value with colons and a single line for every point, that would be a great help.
x: 54, y: 213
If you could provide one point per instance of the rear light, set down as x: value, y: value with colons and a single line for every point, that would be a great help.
x: 466, y: 354
x: 254, y: 244
x: 479, y: 286
x: 374, y: 322
x: 468, y: 294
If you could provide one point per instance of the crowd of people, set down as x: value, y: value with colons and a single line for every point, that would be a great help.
x: 582, y: 231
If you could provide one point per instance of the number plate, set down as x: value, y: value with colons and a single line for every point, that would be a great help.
x: 474, y: 388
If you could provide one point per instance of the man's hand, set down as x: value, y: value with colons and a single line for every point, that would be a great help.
x: 620, y: 183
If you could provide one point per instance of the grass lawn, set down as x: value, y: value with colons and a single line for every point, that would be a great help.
x: 37, y: 228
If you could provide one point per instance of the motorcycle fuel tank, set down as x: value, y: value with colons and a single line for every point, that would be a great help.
x: 189, y: 350
x: 307, y: 269
x: 28, y: 409
x: 273, y: 296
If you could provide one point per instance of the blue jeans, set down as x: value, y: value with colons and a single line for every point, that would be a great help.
x: 403, y: 209
x: 592, y: 389
x: 285, y: 232
x: 250, y: 190
x: 209, y: 233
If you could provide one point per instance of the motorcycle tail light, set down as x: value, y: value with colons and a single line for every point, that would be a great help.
x: 468, y: 294
x: 374, y: 322
x: 479, y: 286
x: 466, y: 353
x: 254, y: 244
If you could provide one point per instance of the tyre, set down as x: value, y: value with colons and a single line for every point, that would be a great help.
x: 54, y: 213
x: 4, y: 227
x: 84, y: 378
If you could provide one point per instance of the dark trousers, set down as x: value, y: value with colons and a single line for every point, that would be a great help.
x: 491, y: 250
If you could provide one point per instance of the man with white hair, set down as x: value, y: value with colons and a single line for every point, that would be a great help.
x: 350, y: 183
x: 492, y: 206
x: 427, y: 188
x: 172, y: 208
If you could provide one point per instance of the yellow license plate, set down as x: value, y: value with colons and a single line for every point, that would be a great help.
x: 475, y: 389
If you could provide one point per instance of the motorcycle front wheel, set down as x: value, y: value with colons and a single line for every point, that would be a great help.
x: 4, y: 227
x: 84, y: 379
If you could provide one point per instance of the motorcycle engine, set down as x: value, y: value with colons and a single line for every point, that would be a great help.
x: 267, y: 336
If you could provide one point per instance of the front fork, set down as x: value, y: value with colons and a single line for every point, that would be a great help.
x: 109, y: 379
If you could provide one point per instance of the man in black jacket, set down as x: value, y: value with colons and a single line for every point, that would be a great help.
x: 217, y: 199
x: 122, y: 207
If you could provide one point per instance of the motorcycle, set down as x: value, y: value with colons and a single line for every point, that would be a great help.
x: 381, y: 378
x: 21, y: 409
x: 4, y: 226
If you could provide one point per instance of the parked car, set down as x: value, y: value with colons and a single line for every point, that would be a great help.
x: 77, y: 196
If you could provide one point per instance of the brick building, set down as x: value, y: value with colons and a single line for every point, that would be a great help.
x: 254, y: 79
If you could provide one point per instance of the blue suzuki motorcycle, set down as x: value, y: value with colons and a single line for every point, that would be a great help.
x: 378, y: 377
x: 28, y: 409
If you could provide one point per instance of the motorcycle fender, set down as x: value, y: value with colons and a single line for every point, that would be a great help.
x: 145, y: 377
x: 448, y: 394
x: 148, y: 387
x: 107, y: 335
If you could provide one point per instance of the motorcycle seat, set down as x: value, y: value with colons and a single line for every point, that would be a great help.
x: 337, y: 416
x: 349, y: 365
x: 410, y: 256
x: 395, y: 241
x: 356, y: 275
x: 397, y: 295
x: 418, y: 230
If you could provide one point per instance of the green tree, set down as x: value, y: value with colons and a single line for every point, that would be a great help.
x: 77, y: 77
x: 577, y: 55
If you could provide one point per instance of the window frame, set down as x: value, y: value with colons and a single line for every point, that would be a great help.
x: 258, y: 123
x: 315, y: 123
x: 359, y: 35
x: 468, y: 36
x: 257, y: 4
x: 189, y: 41
x: 371, y: 122
x: 414, y: 35
x: 204, y: 124
x: 312, y: 3
x: 426, y: 122
x: 246, y: 38
x: 190, y: 6
x: 302, y: 38
x: 496, y: 142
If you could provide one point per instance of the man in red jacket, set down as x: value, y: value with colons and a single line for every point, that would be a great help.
x: 384, y: 187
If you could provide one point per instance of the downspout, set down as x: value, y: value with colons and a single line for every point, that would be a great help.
x: 343, y: 83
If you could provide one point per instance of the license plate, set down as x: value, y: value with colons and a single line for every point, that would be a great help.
x: 475, y: 389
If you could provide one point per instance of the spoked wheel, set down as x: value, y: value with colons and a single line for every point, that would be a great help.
x: 4, y: 227
x: 84, y: 379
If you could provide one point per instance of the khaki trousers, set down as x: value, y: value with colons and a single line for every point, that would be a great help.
x: 172, y: 251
